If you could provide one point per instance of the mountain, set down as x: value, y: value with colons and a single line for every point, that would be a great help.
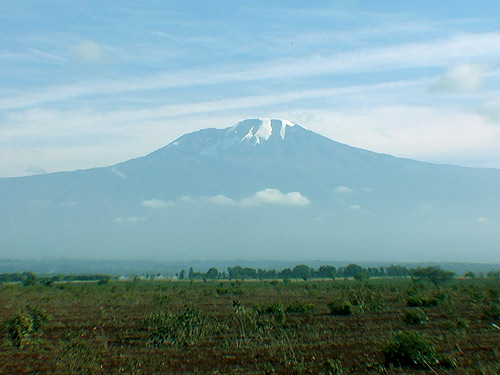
x: 262, y: 189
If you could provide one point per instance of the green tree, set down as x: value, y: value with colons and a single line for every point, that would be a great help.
x: 434, y: 275
x: 326, y: 272
x: 212, y: 273
x: 302, y: 271
x: 182, y: 275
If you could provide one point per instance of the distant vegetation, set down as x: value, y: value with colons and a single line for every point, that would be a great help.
x: 429, y: 274
x: 299, y: 321
x: 301, y: 271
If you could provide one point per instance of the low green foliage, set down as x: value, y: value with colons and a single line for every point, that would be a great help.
x: 333, y: 367
x: 301, y: 307
x: 413, y: 349
x: 422, y: 301
x: 183, y: 328
x: 274, y: 308
x: 410, y: 349
x: 341, y: 308
x: 26, y: 325
x: 415, y: 317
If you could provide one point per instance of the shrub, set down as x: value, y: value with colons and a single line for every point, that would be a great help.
x: 410, y: 349
x: 300, y: 308
x: 185, y: 328
x: 25, y: 325
x: 274, y: 308
x: 462, y: 323
x: 341, y: 308
x: 103, y: 280
x: 333, y: 367
x: 415, y: 317
x: 422, y: 301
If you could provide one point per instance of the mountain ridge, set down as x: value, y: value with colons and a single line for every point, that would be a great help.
x: 221, y: 193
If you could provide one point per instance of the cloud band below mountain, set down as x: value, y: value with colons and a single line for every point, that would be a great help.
x: 263, y: 197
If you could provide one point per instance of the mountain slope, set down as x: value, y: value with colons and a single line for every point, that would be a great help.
x: 262, y: 189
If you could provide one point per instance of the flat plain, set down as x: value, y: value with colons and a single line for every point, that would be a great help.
x: 250, y: 327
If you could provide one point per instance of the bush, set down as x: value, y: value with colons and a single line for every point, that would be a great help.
x: 184, y: 328
x: 274, y: 308
x: 300, y: 308
x: 410, y: 349
x: 421, y: 301
x: 25, y: 325
x: 415, y: 317
x: 333, y: 367
x: 341, y: 308
x: 103, y: 280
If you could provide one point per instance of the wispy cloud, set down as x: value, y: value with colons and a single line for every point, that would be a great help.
x: 220, y: 199
x: 355, y: 207
x: 409, y: 55
x: 157, y: 203
x: 343, y: 189
x: 461, y: 78
x: 130, y: 220
x: 482, y: 219
x: 490, y: 110
x: 118, y: 173
x: 35, y: 170
x: 91, y: 52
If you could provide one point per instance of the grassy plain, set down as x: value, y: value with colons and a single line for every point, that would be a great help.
x: 253, y: 327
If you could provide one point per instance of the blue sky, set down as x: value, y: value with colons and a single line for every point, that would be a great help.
x: 87, y: 83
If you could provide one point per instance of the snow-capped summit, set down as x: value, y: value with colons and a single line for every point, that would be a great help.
x: 245, y: 134
x: 255, y: 131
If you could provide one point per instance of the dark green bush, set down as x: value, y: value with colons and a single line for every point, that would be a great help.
x: 184, y: 328
x: 25, y: 325
x: 410, y: 349
x: 422, y: 301
x: 333, y: 367
x: 341, y: 308
x: 415, y: 317
x: 301, y: 308
x: 274, y: 308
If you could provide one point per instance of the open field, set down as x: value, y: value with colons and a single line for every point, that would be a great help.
x: 259, y: 327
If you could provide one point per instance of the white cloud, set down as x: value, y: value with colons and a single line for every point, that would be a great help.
x: 220, y: 199
x: 355, y: 207
x: 263, y: 197
x: 118, y: 173
x: 186, y: 199
x: 446, y: 134
x: 490, y: 111
x: 274, y: 196
x: 409, y: 55
x: 91, y: 52
x: 343, y: 189
x: 461, y: 78
x: 35, y: 170
x: 482, y: 219
x: 129, y: 220
x: 157, y: 203
x: 369, y: 190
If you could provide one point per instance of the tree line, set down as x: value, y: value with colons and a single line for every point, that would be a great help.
x: 301, y: 271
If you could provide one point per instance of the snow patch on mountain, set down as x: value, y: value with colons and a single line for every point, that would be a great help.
x: 259, y: 129
x: 284, y: 124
